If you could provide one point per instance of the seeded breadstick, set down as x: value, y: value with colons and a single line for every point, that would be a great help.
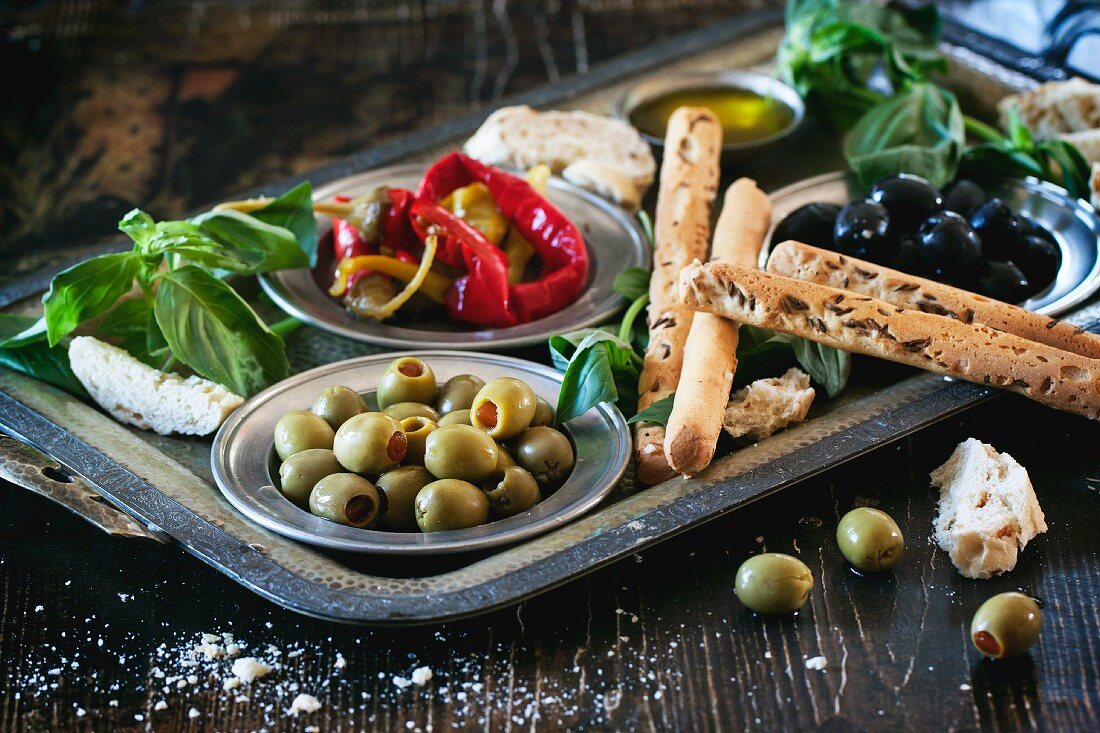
x: 803, y: 262
x: 689, y: 181
x: 710, y: 355
x: 865, y: 325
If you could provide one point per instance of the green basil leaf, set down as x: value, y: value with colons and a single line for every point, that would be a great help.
x: 277, y: 246
x: 632, y: 283
x: 210, y: 328
x: 49, y: 364
x: 1073, y: 170
x: 138, y: 226
x: 87, y: 290
x: 647, y: 227
x: 658, y: 412
x: 826, y: 366
x: 918, y: 131
x: 1000, y: 158
x: 294, y: 211
x: 34, y: 331
x: 133, y: 325
x: 597, y: 367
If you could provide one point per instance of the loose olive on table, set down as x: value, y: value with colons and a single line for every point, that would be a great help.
x: 301, y: 472
x: 347, y: 498
x: 544, y: 452
x: 301, y: 430
x: 362, y: 468
x: 870, y: 539
x: 1006, y: 625
x: 773, y: 583
x: 337, y: 405
x: 370, y: 443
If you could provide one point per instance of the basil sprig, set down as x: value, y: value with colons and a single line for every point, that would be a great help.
x: 36, y: 359
x: 868, y: 68
x: 181, y: 308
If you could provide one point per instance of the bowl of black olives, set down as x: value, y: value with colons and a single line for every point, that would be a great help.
x: 1015, y: 240
x: 417, y: 453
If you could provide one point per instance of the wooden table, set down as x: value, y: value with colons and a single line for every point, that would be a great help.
x: 656, y: 643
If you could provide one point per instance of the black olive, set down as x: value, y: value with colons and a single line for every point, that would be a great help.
x: 909, y: 199
x: 863, y: 230
x: 999, y: 228
x: 909, y: 257
x: 963, y: 197
x: 951, y: 249
x: 809, y: 224
x: 1031, y: 228
x: 1003, y: 281
x: 1039, y: 259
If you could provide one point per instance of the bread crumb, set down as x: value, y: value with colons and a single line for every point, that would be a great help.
x: 304, y: 703
x: 769, y: 405
x: 231, y: 683
x: 193, y: 713
x: 248, y: 669
x: 816, y: 663
x: 161, y: 705
x: 401, y: 682
x: 340, y: 661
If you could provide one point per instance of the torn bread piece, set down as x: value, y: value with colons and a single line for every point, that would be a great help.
x: 137, y: 394
x: 604, y: 155
x: 1055, y: 108
x: 988, y: 510
x: 769, y: 405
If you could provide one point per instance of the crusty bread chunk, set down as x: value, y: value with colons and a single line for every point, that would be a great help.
x: 768, y: 405
x: 606, y: 156
x: 988, y: 511
x: 137, y: 394
x: 1055, y: 108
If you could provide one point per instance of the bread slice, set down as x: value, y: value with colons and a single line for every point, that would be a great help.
x: 1087, y: 143
x: 1055, y: 108
x: 137, y: 394
x: 768, y: 405
x: 603, y: 155
x: 988, y: 511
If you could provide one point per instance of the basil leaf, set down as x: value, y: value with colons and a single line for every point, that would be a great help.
x: 1073, y: 169
x: 34, y: 332
x: 826, y: 366
x: 133, y: 324
x: 762, y: 353
x: 294, y: 211
x: 1000, y: 158
x: 210, y: 328
x: 658, y: 412
x: 632, y: 283
x: 598, y: 368
x: 87, y: 290
x: 276, y: 246
x: 138, y: 226
x: 919, y: 131
x: 49, y: 364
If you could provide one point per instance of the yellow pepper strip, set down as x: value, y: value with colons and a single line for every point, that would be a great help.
x: 475, y: 204
x: 328, y: 208
x: 518, y: 250
x: 417, y: 282
x: 431, y: 284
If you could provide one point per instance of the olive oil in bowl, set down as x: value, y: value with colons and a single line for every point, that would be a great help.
x: 746, y: 116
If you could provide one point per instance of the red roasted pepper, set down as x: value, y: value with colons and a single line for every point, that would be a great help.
x: 346, y: 240
x: 559, y: 244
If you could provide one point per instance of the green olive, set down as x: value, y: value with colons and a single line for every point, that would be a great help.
x: 300, y: 430
x: 504, y: 460
x: 370, y: 443
x: 400, y: 487
x: 460, y: 452
x: 544, y: 414
x: 406, y: 379
x: 458, y: 417
x: 335, y: 405
x: 546, y: 453
x: 870, y: 539
x: 516, y: 491
x: 346, y: 498
x: 503, y: 408
x: 450, y: 504
x: 301, y: 472
x: 401, y: 410
x: 1006, y: 625
x: 416, y: 429
x: 773, y: 583
x: 458, y: 393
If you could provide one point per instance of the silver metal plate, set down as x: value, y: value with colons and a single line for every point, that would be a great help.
x: 241, y: 458
x: 615, y: 241
x: 1072, y: 222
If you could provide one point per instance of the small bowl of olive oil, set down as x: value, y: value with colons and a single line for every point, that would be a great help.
x: 755, y: 110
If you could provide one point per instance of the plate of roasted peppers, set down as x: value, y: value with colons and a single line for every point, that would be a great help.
x: 461, y: 255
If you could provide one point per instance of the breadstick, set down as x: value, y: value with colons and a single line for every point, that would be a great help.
x: 865, y: 325
x: 710, y: 354
x: 689, y: 182
x: 801, y: 261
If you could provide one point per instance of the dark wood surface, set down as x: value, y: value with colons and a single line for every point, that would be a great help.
x: 657, y: 642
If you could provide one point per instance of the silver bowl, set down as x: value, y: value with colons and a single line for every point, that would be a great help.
x: 752, y: 81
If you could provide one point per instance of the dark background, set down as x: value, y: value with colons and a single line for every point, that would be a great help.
x: 172, y: 105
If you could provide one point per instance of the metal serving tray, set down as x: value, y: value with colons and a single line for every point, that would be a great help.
x: 166, y: 485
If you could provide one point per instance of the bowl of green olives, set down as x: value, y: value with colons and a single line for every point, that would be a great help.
x: 417, y: 453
